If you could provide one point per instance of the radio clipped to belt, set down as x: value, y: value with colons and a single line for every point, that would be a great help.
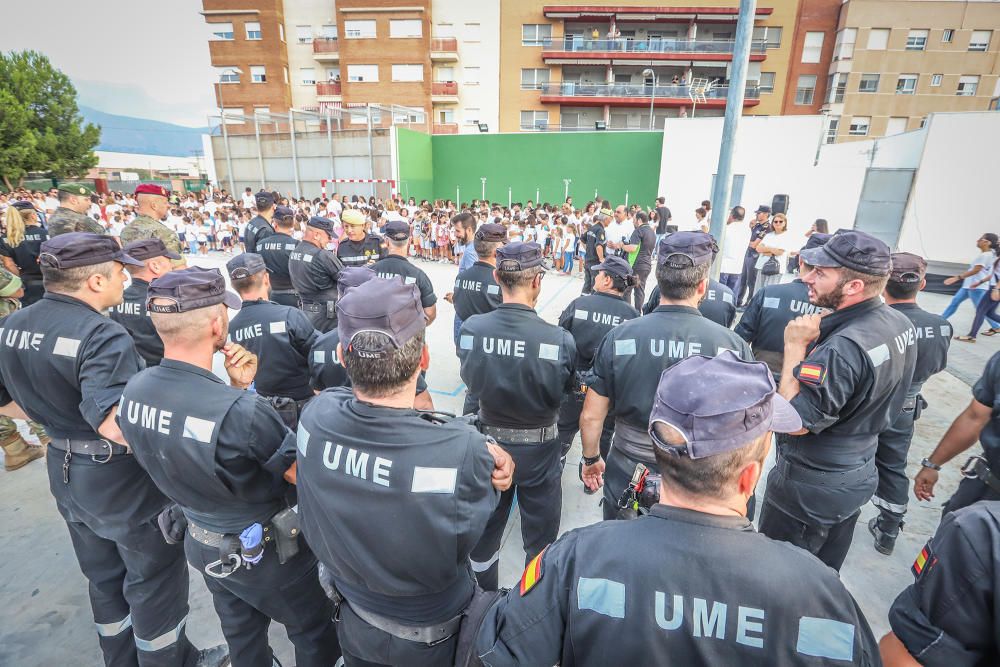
x: 583, y: 381
x: 247, y: 548
x: 642, y: 492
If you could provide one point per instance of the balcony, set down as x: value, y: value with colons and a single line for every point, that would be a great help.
x: 328, y: 89
x: 444, y: 49
x: 444, y: 92
x: 572, y: 50
x: 326, y: 49
x: 625, y: 94
x: 445, y: 128
x: 597, y: 13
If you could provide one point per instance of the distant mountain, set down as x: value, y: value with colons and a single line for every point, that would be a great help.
x: 126, y: 134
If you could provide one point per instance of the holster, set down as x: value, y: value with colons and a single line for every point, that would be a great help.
x: 919, y: 407
x: 288, y: 409
x: 640, y: 495
x: 584, y: 378
x: 173, y: 524
x: 285, y: 526
x: 472, y: 620
x: 331, y: 310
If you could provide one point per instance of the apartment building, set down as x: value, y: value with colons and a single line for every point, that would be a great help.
x: 895, y: 61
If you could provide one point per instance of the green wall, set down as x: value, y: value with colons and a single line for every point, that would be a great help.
x: 610, y: 162
x: 416, y: 164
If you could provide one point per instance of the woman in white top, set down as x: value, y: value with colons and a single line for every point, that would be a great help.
x: 974, y: 286
x: 777, y: 244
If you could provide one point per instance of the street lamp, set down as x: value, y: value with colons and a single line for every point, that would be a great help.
x: 649, y: 73
x: 225, y: 132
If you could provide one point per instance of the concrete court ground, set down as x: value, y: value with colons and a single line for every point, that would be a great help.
x: 46, y: 620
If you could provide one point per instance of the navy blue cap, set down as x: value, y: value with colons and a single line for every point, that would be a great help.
x: 22, y: 205
x: 492, y: 232
x: 189, y: 289
x: 615, y: 266
x: 719, y: 404
x: 379, y: 305
x: 816, y: 239
x: 907, y: 268
x: 518, y: 256
x: 67, y: 251
x: 264, y: 199
x: 682, y: 250
x: 326, y: 224
x: 245, y: 265
x: 397, y: 230
x: 283, y: 212
x: 854, y: 250
x: 763, y: 208
x: 144, y: 249
x: 352, y: 276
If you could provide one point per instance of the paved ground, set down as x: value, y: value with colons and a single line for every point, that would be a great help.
x: 45, y: 619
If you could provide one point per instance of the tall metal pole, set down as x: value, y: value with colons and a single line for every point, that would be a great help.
x: 483, y: 179
x: 329, y: 139
x: 225, y: 140
x: 260, y: 153
x: 652, y: 98
x: 734, y: 109
x: 295, y: 155
x: 371, y: 149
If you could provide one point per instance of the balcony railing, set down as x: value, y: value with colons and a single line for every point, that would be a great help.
x: 328, y: 88
x: 572, y: 89
x: 444, y: 44
x: 444, y: 88
x: 445, y: 128
x: 326, y: 45
x: 653, y: 45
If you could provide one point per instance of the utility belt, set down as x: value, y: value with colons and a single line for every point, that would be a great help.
x: 100, y: 451
x: 328, y: 308
x: 642, y: 492
x: 288, y: 409
x: 282, y: 290
x: 801, y: 473
x: 247, y: 548
x: 977, y: 468
x: 520, y: 436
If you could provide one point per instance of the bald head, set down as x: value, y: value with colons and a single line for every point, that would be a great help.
x: 154, y: 206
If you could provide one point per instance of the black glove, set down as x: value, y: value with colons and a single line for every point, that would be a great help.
x: 172, y: 523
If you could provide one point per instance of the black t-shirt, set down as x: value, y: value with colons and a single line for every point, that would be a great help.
x: 646, y: 239
x: 662, y: 219
x: 595, y: 236
x: 394, y: 265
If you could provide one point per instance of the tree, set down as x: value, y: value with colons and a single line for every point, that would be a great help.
x: 40, y: 124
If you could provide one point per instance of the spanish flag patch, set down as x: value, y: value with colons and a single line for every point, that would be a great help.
x: 812, y: 373
x: 925, y: 560
x: 532, y: 573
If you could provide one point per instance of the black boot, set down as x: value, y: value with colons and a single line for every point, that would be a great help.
x: 217, y: 656
x: 885, y: 530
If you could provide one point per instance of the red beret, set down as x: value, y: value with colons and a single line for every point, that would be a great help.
x: 152, y: 189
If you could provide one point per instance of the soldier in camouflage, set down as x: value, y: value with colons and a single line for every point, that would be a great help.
x: 152, y: 207
x: 17, y: 452
x: 74, y: 202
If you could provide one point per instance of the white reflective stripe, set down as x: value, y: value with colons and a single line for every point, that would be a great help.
x: 277, y: 327
x: 289, y: 246
x: 580, y: 314
x: 727, y: 297
x: 198, y: 429
x: 319, y: 356
x: 66, y: 347
x: 549, y: 352
x: 492, y: 289
x: 771, y: 302
x: 465, y: 342
x: 164, y: 640
x: 114, y: 629
x: 719, y: 350
x: 433, y: 480
x: 409, y: 280
x: 302, y: 439
x: 879, y: 355
x: 886, y: 505
x: 625, y: 347
x: 482, y: 567
x: 307, y: 258
x: 946, y: 330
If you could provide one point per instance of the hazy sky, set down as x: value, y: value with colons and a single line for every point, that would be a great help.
x: 130, y: 57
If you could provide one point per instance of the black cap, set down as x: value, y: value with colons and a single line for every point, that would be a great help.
x: 190, y: 289
x: 518, y: 256
x: 67, y: 251
x: 352, y: 276
x: 378, y: 305
x: 615, y: 266
x: 763, y: 208
x: 22, y: 205
x: 397, y: 230
x: 682, y: 250
x: 816, y: 239
x: 144, y: 249
x: 851, y: 249
x: 321, y: 223
x: 907, y: 268
x: 283, y: 212
x: 264, y: 199
x: 245, y: 265
x: 492, y: 232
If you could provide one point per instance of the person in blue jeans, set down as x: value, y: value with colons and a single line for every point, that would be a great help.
x: 974, y: 287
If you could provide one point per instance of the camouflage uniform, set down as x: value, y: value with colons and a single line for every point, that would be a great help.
x: 8, y: 304
x: 64, y: 221
x: 145, y: 227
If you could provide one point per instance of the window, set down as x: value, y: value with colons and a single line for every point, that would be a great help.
x: 222, y: 32
x: 906, y: 84
x: 806, y: 89
x: 844, y: 49
x: 362, y: 73
x: 868, y: 83
x: 232, y: 115
x: 405, y: 28
x: 896, y: 125
x: 831, y: 129
x: 770, y: 35
x: 536, y: 34
x: 859, y: 126
x: 332, y: 73
x: 444, y: 30
x: 980, y: 40
x: 838, y: 86
x: 304, y: 34
x: 916, y: 40
x: 261, y: 111
x: 307, y: 76
x: 767, y: 82
x: 471, y: 32
x: 923, y: 121
x: 936, y: 79
x: 359, y: 29
x: 329, y: 31
x: 878, y: 39
x: 444, y: 74
x: 470, y: 75
x: 534, y: 79
x: 812, y: 48
x: 534, y: 120
x: 253, y: 30
x: 446, y: 116
x: 471, y: 115
x: 286, y: 74
x: 360, y: 115
x: 948, y: 35
x: 257, y: 74
x: 407, y: 72
x: 281, y: 32
x: 229, y: 75
x: 967, y: 85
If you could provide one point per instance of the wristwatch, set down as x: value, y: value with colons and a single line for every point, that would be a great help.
x: 927, y: 463
x: 591, y: 460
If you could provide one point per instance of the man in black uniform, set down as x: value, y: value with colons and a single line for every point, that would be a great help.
x: 314, y: 270
x: 476, y: 290
x: 276, y: 250
x: 589, y: 318
x: 64, y: 364
x: 719, y: 304
x: 428, y: 484
x: 630, y: 359
x: 841, y: 372
x: 395, y: 263
x: 759, y: 227
x: 358, y: 247
x: 672, y: 588
x: 643, y: 242
x: 596, y: 240
x: 259, y: 227
x: 280, y: 336
x: 131, y: 313
x: 220, y: 453
x: 948, y: 615
x: 520, y: 367
x: 933, y: 340
x: 772, y: 308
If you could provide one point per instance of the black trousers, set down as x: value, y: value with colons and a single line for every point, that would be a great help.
x: 748, y: 278
x: 618, y: 471
x: 588, y: 276
x: 569, y: 424
x: 890, y: 459
x: 247, y: 601
x: 538, y: 485
x: 285, y: 298
x: 321, y: 322
x: 367, y: 646
x: 829, y: 543
x: 637, y: 294
x: 969, y: 491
